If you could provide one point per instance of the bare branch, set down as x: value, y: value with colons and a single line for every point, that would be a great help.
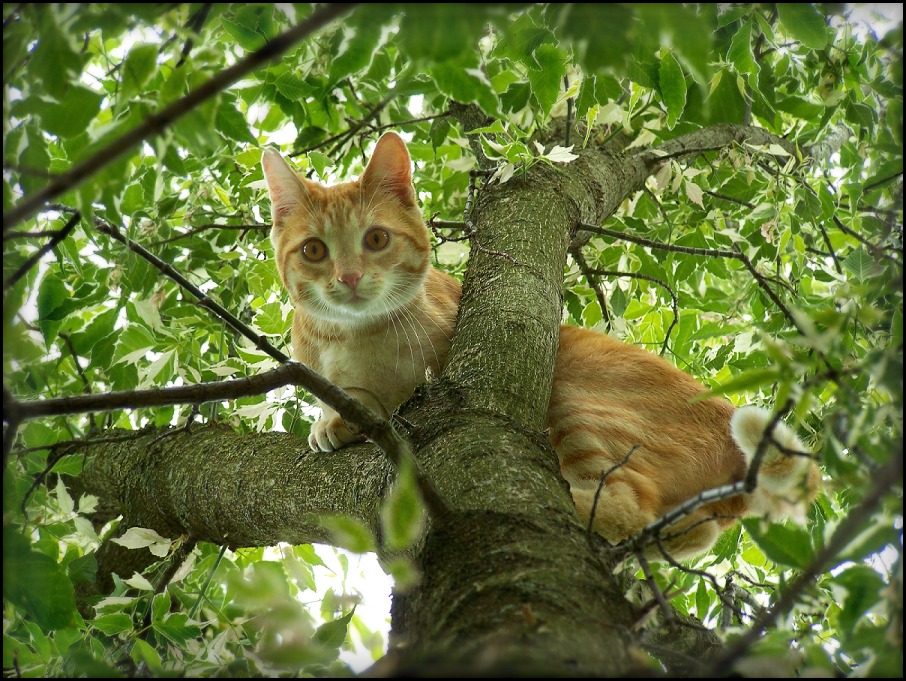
x: 290, y: 373
x: 158, y: 122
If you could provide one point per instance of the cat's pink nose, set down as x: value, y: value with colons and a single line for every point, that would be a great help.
x: 351, y: 279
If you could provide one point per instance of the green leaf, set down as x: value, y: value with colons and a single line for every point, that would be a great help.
x: 112, y: 624
x: 466, y: 85
x: 547, y: 79
x: 740, y: 54
x: 83, y: 569
x: 142, y: 652
x: 51, y: 296
x: 402, y: 514
x: 252, y: 26
x: 176, y: 629
x: 333, y: 634
x: 361, y: 41
x: 137, y: 68
x: 440, y: 32
x: 863, y: 586
x: 804, y: 23
x: 233, y: 124
x: 55, y: 59
x: 35, y: 583
x: 583, y: 24
x: 71, y: 116
x: 349, y: 533
x: 747, y: 380
x: 618, y: 302
x: 861, y: 265
x: 725, y: 103
x: 673, y: 88
x: 784, y: 544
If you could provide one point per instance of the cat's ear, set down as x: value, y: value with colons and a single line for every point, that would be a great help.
x: 286, y: 189
x: 390, y: 169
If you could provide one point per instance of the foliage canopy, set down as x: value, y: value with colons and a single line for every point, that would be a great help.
x: 818, y: 331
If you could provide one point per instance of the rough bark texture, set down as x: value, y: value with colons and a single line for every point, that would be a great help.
x: 511, y: 585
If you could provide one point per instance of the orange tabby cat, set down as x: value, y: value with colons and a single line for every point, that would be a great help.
x: 372, y: 316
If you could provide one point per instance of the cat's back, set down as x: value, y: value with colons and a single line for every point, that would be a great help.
x: 610, y: 398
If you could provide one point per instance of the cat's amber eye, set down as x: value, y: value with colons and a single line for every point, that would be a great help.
x: 314, y: 250
x: 376, y: 239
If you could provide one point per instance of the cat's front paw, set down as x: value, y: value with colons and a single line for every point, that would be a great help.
x: 330, y: 433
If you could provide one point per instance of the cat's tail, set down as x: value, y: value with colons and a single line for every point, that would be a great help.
x: 788, y: 477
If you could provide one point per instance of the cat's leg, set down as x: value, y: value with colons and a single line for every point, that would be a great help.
x: 331, y: 432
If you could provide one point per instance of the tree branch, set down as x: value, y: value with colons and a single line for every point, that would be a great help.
x: 158, y: 122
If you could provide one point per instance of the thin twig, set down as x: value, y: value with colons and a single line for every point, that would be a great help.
x: 604, y: 475
x: 260, y: 341
x: 58, y: 236
x: 674, y: 301
x: 579, y: 257
x: 202, y: 228
x: 709, y: 252
x: 846, y: 531
x: 341, y: 137
x: 195, y: 24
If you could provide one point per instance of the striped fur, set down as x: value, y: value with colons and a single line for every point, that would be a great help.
x: 614, y: 409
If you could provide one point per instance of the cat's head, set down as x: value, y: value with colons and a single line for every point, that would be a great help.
x: 355, y: 251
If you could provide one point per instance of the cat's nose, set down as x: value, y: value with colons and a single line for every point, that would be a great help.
x: 351, y: 279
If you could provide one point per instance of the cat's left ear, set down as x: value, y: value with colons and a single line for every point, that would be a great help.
x: 390, y: 169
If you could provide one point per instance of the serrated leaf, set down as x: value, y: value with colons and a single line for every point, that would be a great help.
x: 67, y: 505
x: 113, y: 624
x: 547, y: 78
x: 142, y: 652
x: 176, y: 628
x: 291, y: 86
x: 230, y: 121
x: 740, y: 53
x: 785, y: 544
x: 252, y: 26
x: 136, y: 581
x: 863, y: 586
x: 561, y: 154
x: 55, y: 59
x: 466, y: 85
x: 142, y: 537
x: 83, y: 569
x: 694, y: 192
x: 618, y: 302
x: 440, y: 32
x: 747, y: 380
x: 803, y: 21
x: 861, y: 265
x: 672, y: 82
x: 360, y: 42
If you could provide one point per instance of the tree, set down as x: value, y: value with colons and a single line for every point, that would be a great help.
x: 722, y: 184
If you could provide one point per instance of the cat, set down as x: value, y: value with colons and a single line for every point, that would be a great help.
x: 373, y: 316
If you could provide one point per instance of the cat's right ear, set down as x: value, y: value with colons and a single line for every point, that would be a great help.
x: 286, y: 189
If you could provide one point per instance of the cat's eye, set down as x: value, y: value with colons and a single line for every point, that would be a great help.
x: 314, y: 250
x: 376, y: 239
